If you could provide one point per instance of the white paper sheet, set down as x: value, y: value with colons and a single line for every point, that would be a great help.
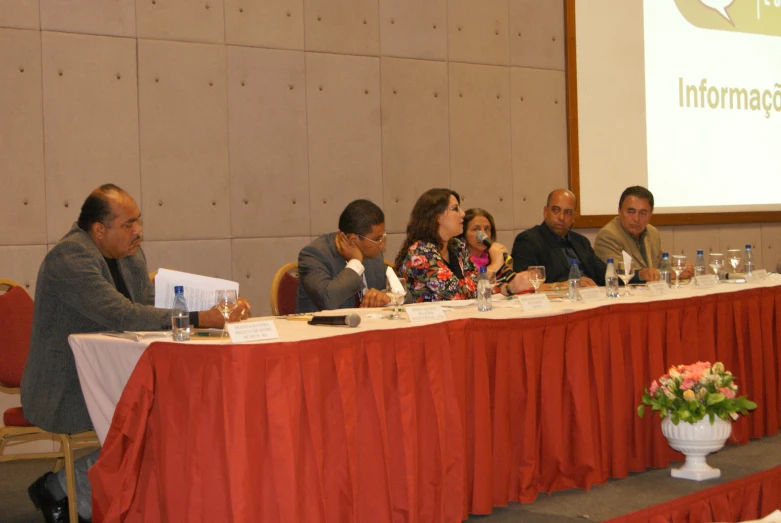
x: 394, y: 282
x: 198, y: 290
x: 627, y: 261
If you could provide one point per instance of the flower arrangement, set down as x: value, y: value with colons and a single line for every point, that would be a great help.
x: 691, y: 392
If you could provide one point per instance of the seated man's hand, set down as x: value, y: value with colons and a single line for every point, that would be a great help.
x: 214, y: 318
x: 346, y: 249
x: 649, y: 274
x: 241, y: 312
x: 374, y: 298
x: 688, y: 272
x: 585, y: 281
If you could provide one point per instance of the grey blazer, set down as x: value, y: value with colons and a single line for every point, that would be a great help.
x: 75, y: 293
x: 323, y: 282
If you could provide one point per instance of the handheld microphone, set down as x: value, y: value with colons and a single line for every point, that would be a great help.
x: 349, y: 320
x: 485, y: 240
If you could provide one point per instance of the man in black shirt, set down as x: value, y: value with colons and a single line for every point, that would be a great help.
x: 553, y: 245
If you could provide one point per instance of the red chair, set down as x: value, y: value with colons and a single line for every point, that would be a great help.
x: 16, y: 320
x: 284, y: 287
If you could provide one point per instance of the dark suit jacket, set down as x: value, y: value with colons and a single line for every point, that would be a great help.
x: 75, y: 293
x: 323, y: 282
x: 539, y: 246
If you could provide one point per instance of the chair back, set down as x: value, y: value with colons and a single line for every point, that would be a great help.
x: 284, y: 287
x: 16, y: 323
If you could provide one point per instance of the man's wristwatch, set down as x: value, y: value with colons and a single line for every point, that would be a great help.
x: 509, y: 291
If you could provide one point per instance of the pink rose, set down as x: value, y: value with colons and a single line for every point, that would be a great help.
x: 654, y: 388
x: 687, y: 384
x: 729, y: 393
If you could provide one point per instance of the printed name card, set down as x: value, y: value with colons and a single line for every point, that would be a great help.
x: 534, y: 302
x: 252, y: 331
x: 591, y: 294
x: 657, y: 288
x: 425, y: 313
x: 757, y: 275
x: 706, y: 280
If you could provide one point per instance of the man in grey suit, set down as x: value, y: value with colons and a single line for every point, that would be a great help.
x: 95, y: 279
x: 345, y: 269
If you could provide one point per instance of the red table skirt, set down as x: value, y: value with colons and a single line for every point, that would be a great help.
x: 744, y: 499
x: 422, y: 424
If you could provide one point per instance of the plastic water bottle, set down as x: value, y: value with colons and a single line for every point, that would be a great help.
x: 180, y: 316
x: 611, y: 280
x: 484, y: 291
x: 665, y: 269
x: 699, y: 264
x: 748, y: 263
x: 574, y: 280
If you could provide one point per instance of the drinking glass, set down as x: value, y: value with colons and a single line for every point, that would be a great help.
x: 625, y: 275
x: 735, y: 257
x: 396, y: 299
x: 225, y: 300
x: 679, y: 265
x: 716, y: 263
x: 536, y: 276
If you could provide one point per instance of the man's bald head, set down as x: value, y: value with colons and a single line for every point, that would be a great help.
x: 561, y: 192
x: 559, y: 211
x: 97, y: 208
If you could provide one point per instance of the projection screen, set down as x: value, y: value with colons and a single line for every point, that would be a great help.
x: 680, y: 96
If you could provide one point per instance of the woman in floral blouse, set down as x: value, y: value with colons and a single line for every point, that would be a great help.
x: 435, y: 262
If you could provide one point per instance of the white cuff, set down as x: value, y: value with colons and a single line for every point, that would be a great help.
x: 357, y: 266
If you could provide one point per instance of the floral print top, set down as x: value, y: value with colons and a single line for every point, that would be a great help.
x: 428, y: 277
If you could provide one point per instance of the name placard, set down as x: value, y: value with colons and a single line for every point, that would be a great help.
x: 757, y: 275
x: 252, y: 331
x: 706, y: 280
x: 591, y: 294
x: 657, y: 288
x: 425, y: 312
x: 534, y: 302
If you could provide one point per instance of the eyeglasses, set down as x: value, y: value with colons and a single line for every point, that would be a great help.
x: 382, y: 239
x: 455, y: 208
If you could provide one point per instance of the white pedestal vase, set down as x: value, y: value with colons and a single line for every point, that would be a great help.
x: 695, y: 441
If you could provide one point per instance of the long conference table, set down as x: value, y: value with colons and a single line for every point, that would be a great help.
x: 395, y: 421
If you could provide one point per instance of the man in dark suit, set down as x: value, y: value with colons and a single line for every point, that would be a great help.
x: 554, y: 245
x: 95, y: 279
x: 345, y: 269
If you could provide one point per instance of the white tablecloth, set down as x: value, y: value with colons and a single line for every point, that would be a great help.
x: 104, y: 363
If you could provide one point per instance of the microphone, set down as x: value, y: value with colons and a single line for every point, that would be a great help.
x: 349, y: 320
x: 485, y: 240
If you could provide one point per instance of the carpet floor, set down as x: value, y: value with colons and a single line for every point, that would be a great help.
x: 617, y: 497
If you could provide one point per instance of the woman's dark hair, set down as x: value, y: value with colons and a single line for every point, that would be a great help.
x: 423, y: 224
x: 473, y: 213
x: 97, y: 207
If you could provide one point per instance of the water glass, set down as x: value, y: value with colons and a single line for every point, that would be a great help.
x: 396, y: 299
x: 679, y: 265
x: 625, y: 275
x: 225, y: 300
x: 536, y: 276
x: 735, y: 258
x: 716, y: 264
